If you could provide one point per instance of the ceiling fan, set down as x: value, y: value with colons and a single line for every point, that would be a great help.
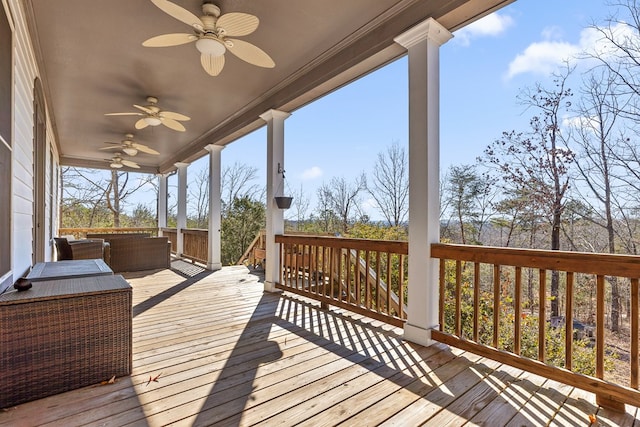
x: 154, y: 116
x: 129, y: 146
x: 210, y: 33
x: 117, y: 162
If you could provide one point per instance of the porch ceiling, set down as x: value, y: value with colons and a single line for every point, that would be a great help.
x: 92, y: 62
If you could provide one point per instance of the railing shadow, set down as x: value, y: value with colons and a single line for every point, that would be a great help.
x: 192, y: 274
x: 381, y: 351
x: 233, y: 387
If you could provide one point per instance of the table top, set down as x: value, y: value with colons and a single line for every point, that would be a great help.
x: 72, y: 287
x: 68, y: 269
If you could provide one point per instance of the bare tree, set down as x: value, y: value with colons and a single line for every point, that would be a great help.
x: 619, y: 53
x: 300, y: 206
x: 537, y: 163
x: 94, y: 189
x: 199, y: 198
x: 390, y: 184
x: 339, y: 199
x: 595, y: 137
x: 237, y: 183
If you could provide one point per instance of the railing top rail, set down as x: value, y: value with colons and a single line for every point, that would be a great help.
x: 577, y: 262
x: 106, y: 229
x: 392, y: 246
x: 195, y: 231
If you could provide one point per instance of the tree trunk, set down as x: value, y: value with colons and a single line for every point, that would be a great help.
x: 615, y: 289
x: 555, y: 275
x: 116, y: 198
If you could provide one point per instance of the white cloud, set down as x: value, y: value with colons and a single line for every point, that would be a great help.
x: 544, y: 57
x: 370, y: 207
x: 583, y: 122
x: 490, y: 26
x: 311, y: 173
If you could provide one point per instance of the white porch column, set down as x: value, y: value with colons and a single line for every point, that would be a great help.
x: 162, y: 201
x: 182, y: 206
x: 423, y: 43
x: 215, y: 207
x: 275, y: 187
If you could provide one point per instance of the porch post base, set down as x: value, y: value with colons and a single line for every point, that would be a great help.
x: 213, y: 266
x: 418, y: 335
x: 270, y: 287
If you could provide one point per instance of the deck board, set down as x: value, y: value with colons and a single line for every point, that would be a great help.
x: 231, y: 355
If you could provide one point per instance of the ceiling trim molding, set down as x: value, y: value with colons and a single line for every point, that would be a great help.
x: 97, y: 164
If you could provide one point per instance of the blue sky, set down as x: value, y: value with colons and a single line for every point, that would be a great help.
x: 483, y: 68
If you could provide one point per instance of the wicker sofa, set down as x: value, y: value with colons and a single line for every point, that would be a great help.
x: 136, y: 251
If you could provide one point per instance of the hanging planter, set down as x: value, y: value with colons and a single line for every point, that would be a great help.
x: 283, y: 202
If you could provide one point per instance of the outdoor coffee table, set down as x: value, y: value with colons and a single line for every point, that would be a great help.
x: 68, y: 269
x: 64, y: 334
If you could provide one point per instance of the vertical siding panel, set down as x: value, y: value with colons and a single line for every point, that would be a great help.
x: 25, y: 72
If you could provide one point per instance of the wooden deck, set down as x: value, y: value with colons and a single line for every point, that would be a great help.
x: 224, y: 353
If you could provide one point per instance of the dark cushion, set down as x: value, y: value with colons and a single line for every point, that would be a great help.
x: 63, y: 248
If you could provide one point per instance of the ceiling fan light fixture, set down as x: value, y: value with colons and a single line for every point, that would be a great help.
x: 152, y: 121
x: 130, y: 151
x: 116, y: 165
x: 210, y: 46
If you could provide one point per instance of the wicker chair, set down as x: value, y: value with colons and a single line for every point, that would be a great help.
x: 82, y: 249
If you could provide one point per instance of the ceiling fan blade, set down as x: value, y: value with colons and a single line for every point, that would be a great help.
x: 212, y: 64
x: 123, y: 114
x: 172, y: 124
x: 130, y: 163
x: 167, y: 40
x: 145, y: 109
x: 174, y: 116
x: 250, y: 53
x: 144, y: 148
x: 238, y: 24
x: 109, y: 148
x: 179, y: 13
x: 141, y: 124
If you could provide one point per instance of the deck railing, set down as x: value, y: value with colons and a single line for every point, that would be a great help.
x: 364, y: 276
x: 483, y: 310
x: 195, y: 244
x: 172, y: 235
x: 81, y: 233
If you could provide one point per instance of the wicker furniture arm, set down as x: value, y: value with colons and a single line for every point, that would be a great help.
x: 81, y: 249
x: 138, y: 254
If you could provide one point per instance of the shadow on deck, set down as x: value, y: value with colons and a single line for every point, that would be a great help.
x: 223, y: 352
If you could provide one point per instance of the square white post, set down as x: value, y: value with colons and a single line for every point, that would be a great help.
x: 423, y: 43
x: 215, y: 209
x: 182, y: 206
x: 162, y: 202
x: 275, y: 186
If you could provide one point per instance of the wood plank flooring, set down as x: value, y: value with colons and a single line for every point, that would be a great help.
x: 224, y: 353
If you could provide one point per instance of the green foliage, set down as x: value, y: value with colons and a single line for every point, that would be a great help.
x: 240, y: 224
x: 376, y: 232
x: 79, y: 215
x: 584, y: 355
x: 142, y: 216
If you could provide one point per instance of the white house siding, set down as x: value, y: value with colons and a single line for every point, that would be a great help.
x: 25, y: 73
